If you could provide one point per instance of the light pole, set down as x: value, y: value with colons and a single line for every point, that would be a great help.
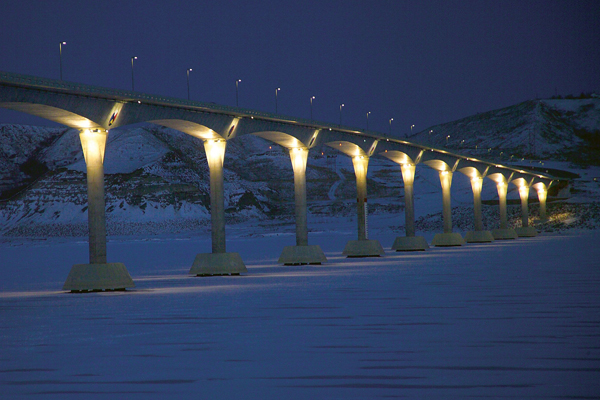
x: 60, y: 56
x: 448, y: 137
x: 369, y: 112
x: 237, y: 82
x: 132, y: 81
x: 391, y: 119
x: 341, y: 106
x: 276, y: 91
x: 412, y: 126
x: 188, y: 81
x: 311, y: 100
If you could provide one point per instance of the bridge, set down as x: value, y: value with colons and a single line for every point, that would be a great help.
x: 95, y: 110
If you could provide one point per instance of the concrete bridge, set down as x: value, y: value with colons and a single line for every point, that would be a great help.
x: 96, y: 110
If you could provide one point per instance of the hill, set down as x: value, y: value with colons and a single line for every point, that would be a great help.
x: 557, y: 129
x: 157, y: 178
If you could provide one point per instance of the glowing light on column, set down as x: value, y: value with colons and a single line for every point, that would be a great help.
x: 93, y: 143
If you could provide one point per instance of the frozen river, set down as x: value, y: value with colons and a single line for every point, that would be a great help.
x: 517, y: 319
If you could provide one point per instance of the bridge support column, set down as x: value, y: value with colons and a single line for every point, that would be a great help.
x: 525, y: 230
x: 363, y: 247
x: 219, y: 262
x: 448, y: 238
x: 542, y: 194
x: 98, y: 274
x: 479, y: 235
x: 410, y: 242
x: 504, y: 232
x: 302, y: 253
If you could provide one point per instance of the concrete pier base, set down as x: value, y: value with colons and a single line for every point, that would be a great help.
x: 504, y: 234
x: 410, y: 243
x: 526, y: 231
x: 479, y: 237
x: 363, y: 248
x: 98, y: 277
x: 207, y: 264
x: 447, y: 239
x: 295, y: 255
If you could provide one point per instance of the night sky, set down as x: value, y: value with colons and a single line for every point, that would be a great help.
x: 419, y: 62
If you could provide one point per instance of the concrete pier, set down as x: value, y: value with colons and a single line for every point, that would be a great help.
x: 98, y: 274
x: 215, y: 156
x: 448, y: 238
x: 479, y: 235
x: 542, y: 194
x: 363, y: 247
x: 504, y: 232
x: 410, y: 242
x: 302, y: 253
x: 299, y: 158
x: 525, y: 230
x: 219, y: 262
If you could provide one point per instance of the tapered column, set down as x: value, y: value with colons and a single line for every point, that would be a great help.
x: 363, y: 247
x: 215, y: 155
x: 525, y: 230
x: 302, y: 253
x: 219, y: 262
x: 98, y: 274
x: 299, y: 157
x: 94, y: 144
x: 448, y: 238
x: 524, y: 195
x: 476, y: 185
x: 410, y: 242
x: 502, y: 190
x: 504, y: 232
x: 542, y: 194
x: 361, y: 165
x: 479, y: 235
x: 408, y: 177
x: 446, y: 181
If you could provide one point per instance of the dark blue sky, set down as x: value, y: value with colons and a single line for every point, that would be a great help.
x: 419, y: 62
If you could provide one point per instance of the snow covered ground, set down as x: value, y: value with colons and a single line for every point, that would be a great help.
x: 514, y: 319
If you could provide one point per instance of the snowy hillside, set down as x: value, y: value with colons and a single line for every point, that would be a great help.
x: 561, y: 129
x: 157, y: 178
x: 20, y: 148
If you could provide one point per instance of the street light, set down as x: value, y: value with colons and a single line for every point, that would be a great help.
x: 369, y: 112
x: 447, y: 137
x: 341, y: 106
x: 276, y: 91
x: 188, y: 81
x: 412, y: 126
x: 311, y: 99
x: 60, y: 56
x: 237, y: 82
x: 391, y: 119
x: 132, y: 85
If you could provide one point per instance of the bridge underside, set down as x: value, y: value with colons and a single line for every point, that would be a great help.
x: 55, y: 114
